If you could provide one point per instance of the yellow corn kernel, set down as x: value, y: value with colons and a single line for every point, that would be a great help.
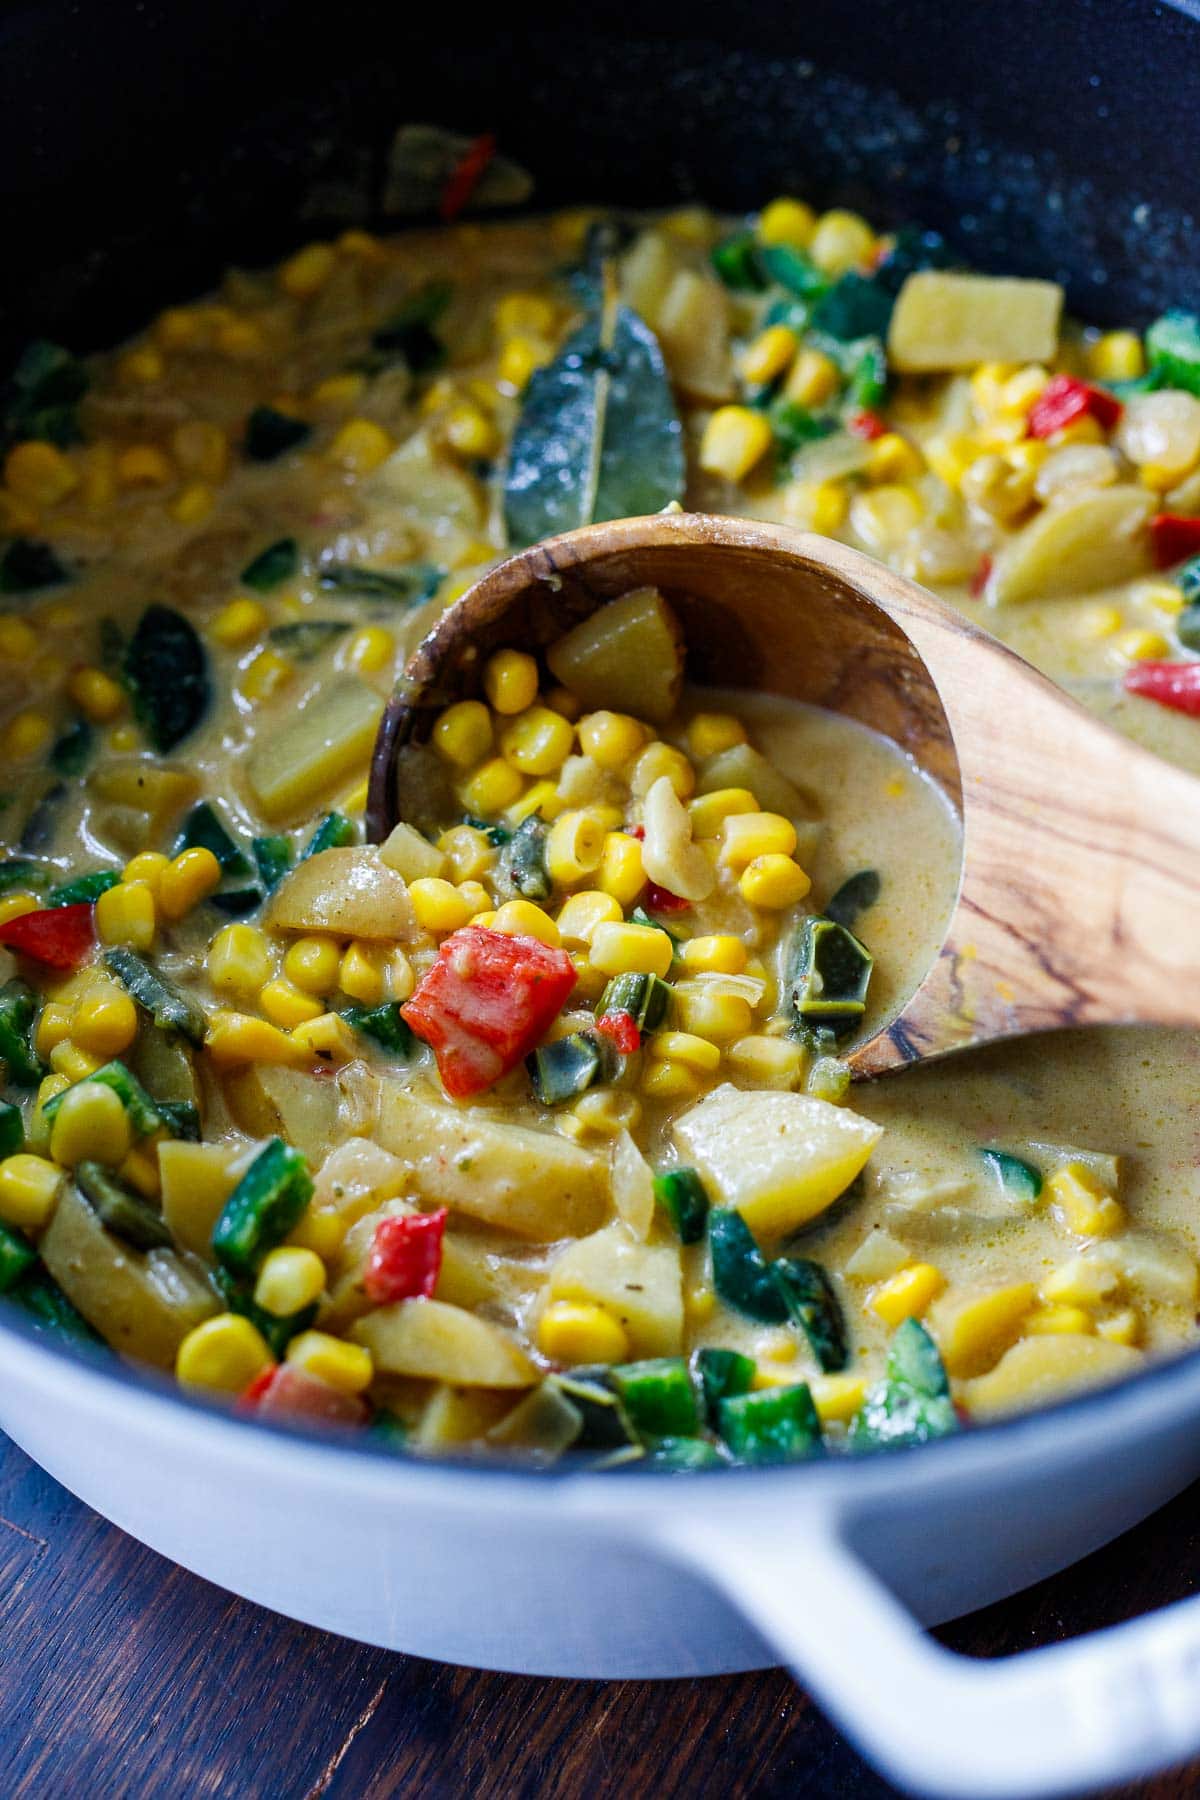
x: 745, y: 836
x: 1117, y: 356
x: 1138, y: 645
x: 370, y: 650
x: 484, y: 920
x: 188, y: 879
x: 537, y: 741
x: 719, y: 953
x: 608, y: 1111
x: 363, y: 973
x: 837, y: 1397
x: 582, y: 913
x: 630, y: 950
x: 290, y: 1279
x: 288, y: 1006
x: 265, y: 676
x: 906, y: 1294
x: 91, y: 1125
x: 29, y: 1187
x: 401, y: 978
x: 143, y: 465
x: 493, y: 786
x: 976, y: 1333
x: 840, y: 241
x: 97, y: 695
x: 105, y: 1022
x: 1052, y: 1321
x: 577, y: 1331
x: 321, y: 1230
x: 201, y: 450
x: 510, y: 681
x: 361, y: 244
x: 142, y: 366
x: 238, y: 961
x: 344, y: 1366
x: 574, y: 847
x: 18, y: 640
x: 15, y: 906
x: 193, y: 503
x: 949, y: 455
x: 719, y: 1017
x: 883, y: 517
x: 773, y: 882
x: 1159, y: 595
x: 787, y: 221
x: 611, y: 739
x: 819, y: 506
x: 338, y: 391
x: 1079, y: 1201
x: 1098, y: 621
x: 241, y: 338
x: 39, y: 473
x: 518, y: 360
x: 670, y: 1081
x: 126, y: 915
x: 438, y: 905
x: 540, y: 797
x: 18, y: 518
x: 468, y: 431
x: 223, y: 1355
x: 235, y: 1038
x: 307, y: 271
x: 686, y: 1048
x: 709, y: 733
x: 140, y: 1171
x: 26, y: 734
x: 734, y: 440
x: 521, y: 311
x: 467, y: 852
x: 892, y: 458
x: 621, y: 872
x: 475, y: 895
x: 1124, y: 1327
x: 239, y: 623
x: 147, y: 867
x: 659, y: 759
x: 708, y: 812
x: 312, y: 963
x: 328, y: 1039
x: 360, y: 446
x: 770, y: 1062
x: 68, y: 1059
x: 813, y: 379
x: 521, y: 918
x: 772, y: 351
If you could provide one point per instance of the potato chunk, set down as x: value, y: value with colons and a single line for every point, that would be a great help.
x: 197, y: 1180
x: 350, y: 892
x: 1039, y: 1369
x: 534, y: 1183
x: 640, y: 1284
x: 779, y: 1158
x: 443, y: 1343
x: 269, y: 1100
x: 1085, y: 540
x: 291, y: 768
x: 628, y: 657
x: 944, y: 320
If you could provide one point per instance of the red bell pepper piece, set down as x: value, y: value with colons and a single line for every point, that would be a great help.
x: 622, y: 1028
x: 981, y: 577
x: 1064, y: 399
x: 259, y: 1386
x: 1173, y: 684
x: 866, y: 424
x: 466, y: 177
x: 59, y: 936
x: 486, y: 1003
x: 1173, y: 537
x: 283, y: 1392
x: 405, y: 1258
x: 661, y: 900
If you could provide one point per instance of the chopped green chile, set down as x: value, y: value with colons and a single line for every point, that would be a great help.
x: 410, y: 586
x: 71, y: 752
x: 722, y: 1375
x: 12, y: 1128
x: 1014, y: 1173
x: 604, y: 1423
x: 856, y: 306
x: 567, y: 1067
x: 42, y: 395
x: 22, y: 872
x: 387, y: 1430
x: 181, y: 1118
x: 681, y: 1455
x: 279, y: 562
x: 144, y: 1116
x: 779, y: 1425
x: 277, y: 1330
x: 644, y: 997
x: 524, y: 860
x: 271, y: 434
x: 305, y: 639
x: 204, y: 829
x: 682, y: 1196
x: 813, y: 1305
x: 84, y: 888
x: 18, y: 1009
x: 794, y: 272
x: 857, y: 895
x: 17, y: 1257
x: 384, y: 1025
x: 912, y: 1403
x: 272, y: 859
x: 831, y: 975
x: 51, y: 1313
x: 237, y: 902
x: 269, y: 1201
x: 496, y: 835
x: 738, y: 260
x: 1187, y: 625
x: 742, y: 1275
x: 1173, y: 350
x: 335, y: 832
x: 658, y: 1395
x: 119, y: 1209
x: 166, y: 673
x: 169, y: 1007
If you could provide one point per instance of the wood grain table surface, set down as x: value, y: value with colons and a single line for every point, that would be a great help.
x: 123, y: 1676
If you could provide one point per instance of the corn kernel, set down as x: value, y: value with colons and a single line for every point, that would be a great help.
x: 819, y: 506
x: 126, y: 915
x: 15, y: 906
x: 721, y: 1018
x: 773, y: 882
x: 840, y: 241
x: 26, y: 735
x: 338, y: 391
x: 608, y: 1111
x: 577, y: 1331
x: 401, y: 978
x: 631, y: 950
x: 717, y: 954
x: 328, y: 1039
x: 787, y: 221
x: 1138, y: 645
x: 537, y: 741
x: 362, y: 245
x: 977, y: 1332
x: 610, y: 739
x: 621, y: 872
x: 344, y: 1366
x: 883, y: 517
x: 492, y: 787
x: 1079, y: 1202
x: 238, y: 961
x: 467, y: 852
x: 363, y: 974
x: 140, y: 1171
x: 906, y: 1294
x: 770, y: 1062
x: 519, y: 358
x: 892, y: 458
x: 582, y: 913
x: 98, y: 697
x: 290, y: 1279
x: 438, y: 905
x: 193, y: 503
x: 747, y: 836
x: 949, y: 455
x: 520, y: 311
x: 223, y: 1355
x: 370, y: 650
x: 241, y: 338
x: 670, y: 1081
x: 239, y: 623
x: 1117, y: 356
x: 574, y: 847
x: 521, y: 918
x: 201, y: 450
x: 1100, y: 620
x: 143, y: 465
x: 266, y: 675
x: 540, y: 797
x: 91, y: 1125
x: 1124, y: 1327
x: 484, y: 920
x: 307, y: 271
x: 510, y: 681
x: 734, y: 440
x: 658, y: 760
x: 837, y: 1397
x: 772, y: 351
x: 105, y: 1022
x: 187, y: 880
x: 1052, y: 1321
x: 468, y: 431
x: 814, y: 379
x: 312, y: 963
x: 29, y: 1188
x: 288, y: 1006
x: 39, y: 473
x: 18, y: 640
x: 475, y: 895
x: 236, y: 1038
x: 177, y: 328
x: 360, y: 446
x: 1159, y: 595
x: 1083, y: 1281
x: 708, y: 812
x: 709, y: 733
x: 700, y: 1303
x: 322, y: 1230
x: 1088, y: 430
x: 685, y: 1047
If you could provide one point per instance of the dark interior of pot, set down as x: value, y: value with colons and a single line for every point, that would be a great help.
x: 170, y: 139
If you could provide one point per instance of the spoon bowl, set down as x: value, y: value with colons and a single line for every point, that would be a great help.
x: 1079, y: 896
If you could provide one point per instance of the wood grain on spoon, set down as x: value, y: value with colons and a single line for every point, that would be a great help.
x: 1079, y: 902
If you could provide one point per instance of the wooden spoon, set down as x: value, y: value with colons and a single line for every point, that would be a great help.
x: 1079, y: 902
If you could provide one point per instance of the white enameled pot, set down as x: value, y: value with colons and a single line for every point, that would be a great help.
x: 831, y: 1567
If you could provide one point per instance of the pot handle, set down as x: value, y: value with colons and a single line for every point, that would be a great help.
x: 1104, y: 1708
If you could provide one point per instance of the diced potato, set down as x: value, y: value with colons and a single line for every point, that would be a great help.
x: 535, y: 1183
x: 944, y: 320
x: 1039, y: 1369
x: 647, y: 271
x: 779, y: 1158
x: 443, y: 1343
x: 974, y: 1328
x: 139, y: 799
x: 1082, y: 541
x: 412, y: 856
x: 628, y: 657
x: 640, y: 1284
x: 269, y: 1100
x: 350, y: 893
x: 455, y: 1415
x: 879, y: 1255
x: 742, y: 766
x: 144, y: 1306
x: 474, y: 1271
x: 423, y: 485
x: 1154, y: 1264
x: 693, y: 329
x: 165, y: 1066
x: 294, y: 765
x: 197, y: 1180
x: 357, y: 1176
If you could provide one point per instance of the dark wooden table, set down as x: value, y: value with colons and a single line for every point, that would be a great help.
x: 121, y: 1675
